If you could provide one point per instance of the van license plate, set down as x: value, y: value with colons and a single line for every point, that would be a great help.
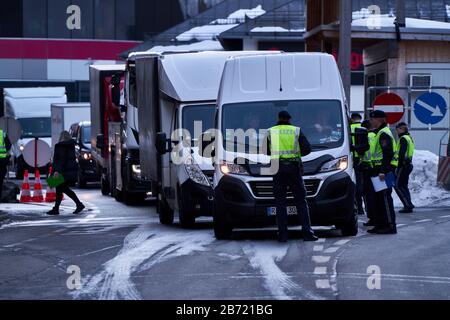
x: 291, y: 211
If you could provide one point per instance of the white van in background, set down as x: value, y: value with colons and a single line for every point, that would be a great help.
x: 252, y: 92
x: 31, y: 107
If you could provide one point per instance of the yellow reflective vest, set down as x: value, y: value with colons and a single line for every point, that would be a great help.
x: 284, y: 142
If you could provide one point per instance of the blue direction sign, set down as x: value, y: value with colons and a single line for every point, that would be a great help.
x: 430, y: 108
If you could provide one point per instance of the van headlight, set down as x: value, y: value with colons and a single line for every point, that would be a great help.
x: 232, y: 168
x: 86, y: 155
x: 136, y: 171
x: 195, y: 173
x: 21, y: 148
x: 340, y: 164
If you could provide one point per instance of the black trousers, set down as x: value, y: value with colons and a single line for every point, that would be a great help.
x: 289, y: 175
x: 369, y: 194
x: 3, y: 169
x: 359, y: 193
x: 384, y: 209
x: 64, y: 188
x: 401, y: 187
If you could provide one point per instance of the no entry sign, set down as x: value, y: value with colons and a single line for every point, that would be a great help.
x: 392, y: 104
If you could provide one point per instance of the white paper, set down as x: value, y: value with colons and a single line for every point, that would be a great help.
x: 378, y: 185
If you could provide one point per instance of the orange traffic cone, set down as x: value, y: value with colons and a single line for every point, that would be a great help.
x: 50, y: 194
x: 37, y: 194
x: 25, y: 195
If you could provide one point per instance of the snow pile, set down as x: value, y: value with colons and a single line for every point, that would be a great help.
x: 213, y: 29
x: 388, y: 21
x: 422, y: 182
x: 275, y: 29
x: 206, y: 45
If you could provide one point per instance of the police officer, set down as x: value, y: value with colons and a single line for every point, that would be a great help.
x: 356, y: 123
x: 286, y: 146
x: 367, y: 172
x: 5, y: 146
x: 383, y: 162
x: 404, y: 151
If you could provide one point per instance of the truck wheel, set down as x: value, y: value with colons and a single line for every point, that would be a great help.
x: 165, y: 213
x: 222, y: 228
x: 105, y: 188
x: 350, y: 228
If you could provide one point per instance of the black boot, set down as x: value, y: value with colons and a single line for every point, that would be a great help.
x: 80, y: 207
x: 53, y: 212
x: 310, y: 237
x: 369, y: 224
x: 406, y: 210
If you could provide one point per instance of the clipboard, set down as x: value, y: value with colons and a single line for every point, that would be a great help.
x: 389, y: 182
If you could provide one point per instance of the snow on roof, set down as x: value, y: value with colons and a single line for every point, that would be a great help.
x: 206, y: 32
x: 214, y: 28
x: 388, y: 21
x: 275, y: 29
x: 206, y: 45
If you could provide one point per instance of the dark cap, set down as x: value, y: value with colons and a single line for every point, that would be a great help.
x: 284, y: 115
x: 356, y: 116
x: 377, y: 114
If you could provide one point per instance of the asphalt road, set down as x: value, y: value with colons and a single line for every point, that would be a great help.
x: 123, y: 252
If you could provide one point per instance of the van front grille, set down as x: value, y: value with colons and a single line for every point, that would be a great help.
x: 264, y: 189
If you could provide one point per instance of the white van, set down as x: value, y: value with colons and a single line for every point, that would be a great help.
x: 252, y: 92
x: 176, y: 92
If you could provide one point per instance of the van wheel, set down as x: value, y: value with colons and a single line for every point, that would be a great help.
x: 222, y: 228
x: 104, y: 186
x: 165, y: 212
x: 118, y: 195
x: 350, y: 228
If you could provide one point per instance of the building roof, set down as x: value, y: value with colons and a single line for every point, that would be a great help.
x: 225, y: 15
x: 287, y: 20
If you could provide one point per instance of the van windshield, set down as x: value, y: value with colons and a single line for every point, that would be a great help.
x: 35, y: 127
x: 202, y: 114
x: 86, y: 134
x: 321, y: 121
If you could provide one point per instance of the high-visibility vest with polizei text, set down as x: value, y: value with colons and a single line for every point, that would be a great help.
x: 284, y: 142
x: 377, y: 155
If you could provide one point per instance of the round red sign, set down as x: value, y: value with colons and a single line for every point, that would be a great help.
x: 392, y: 104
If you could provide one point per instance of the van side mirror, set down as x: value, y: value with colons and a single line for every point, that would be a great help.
x: 163, y: 145
x: 100, y: 141
x: 206, y: 145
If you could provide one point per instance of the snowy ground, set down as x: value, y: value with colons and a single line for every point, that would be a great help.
x: 422, y: 183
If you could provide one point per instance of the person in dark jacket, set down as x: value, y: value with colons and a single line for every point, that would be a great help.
x: 405, y: 151
x: 286, y: 145
x: 5, y: 146
x: 64, y: 163
x: 383, y: 162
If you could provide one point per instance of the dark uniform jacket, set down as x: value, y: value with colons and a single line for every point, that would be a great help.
x: 387, y: 147
x: 64, y: 160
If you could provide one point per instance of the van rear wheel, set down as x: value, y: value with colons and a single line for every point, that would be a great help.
x: 104, y: 186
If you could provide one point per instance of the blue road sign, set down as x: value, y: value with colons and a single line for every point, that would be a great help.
x: 430, y: 108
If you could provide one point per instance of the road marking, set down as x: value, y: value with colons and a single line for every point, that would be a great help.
x: 320, y: 270
x: 424, y: 220
x: 97, y: 251
x: 447, y: 216
x: 341, y: 242
x: 323, y: 284
x: 331, y: 250
x: 321, y: 259
x: 318, y: 248
x: 321, y: 240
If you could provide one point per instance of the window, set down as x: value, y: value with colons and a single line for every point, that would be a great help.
x: 202, y: 114
x: 35, y: 127
x: 57, y: 19
x: 35, y: 18
x: 104, y: 19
